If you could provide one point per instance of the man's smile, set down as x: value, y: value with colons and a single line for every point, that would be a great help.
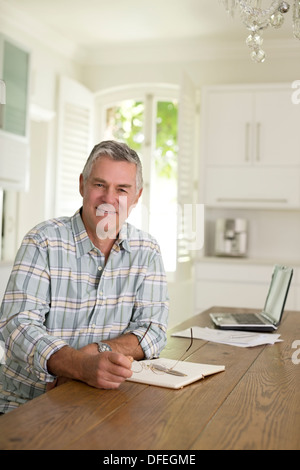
x: 105, y: 209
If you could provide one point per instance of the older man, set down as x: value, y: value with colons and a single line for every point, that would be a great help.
x: 87, y: 293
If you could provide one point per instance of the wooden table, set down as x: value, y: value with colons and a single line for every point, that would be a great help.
x: 253, y: 404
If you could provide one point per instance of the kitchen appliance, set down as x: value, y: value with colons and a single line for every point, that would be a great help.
x: 231, y: 237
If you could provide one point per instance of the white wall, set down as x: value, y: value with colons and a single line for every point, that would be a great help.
x: 272, y: 234
x: 223, y: 66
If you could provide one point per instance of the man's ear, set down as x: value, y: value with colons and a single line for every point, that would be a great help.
x: 137, y: 197
x: 81, y: 184
x: 136, y: 200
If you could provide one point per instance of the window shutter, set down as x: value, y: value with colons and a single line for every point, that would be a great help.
x: 186, y: 176
x: 75, y: 141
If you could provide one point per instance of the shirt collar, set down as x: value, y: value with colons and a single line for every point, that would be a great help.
x: 123, y: 239
x: 83, y: 243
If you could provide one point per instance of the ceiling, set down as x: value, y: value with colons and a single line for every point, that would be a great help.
x: 92, y: 23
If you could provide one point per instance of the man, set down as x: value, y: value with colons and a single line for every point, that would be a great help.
x: 87, y: 293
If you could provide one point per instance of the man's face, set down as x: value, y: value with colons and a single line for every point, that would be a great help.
x: 108, y: 196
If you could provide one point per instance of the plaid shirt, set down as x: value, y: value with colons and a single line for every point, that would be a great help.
x: 61, y: 292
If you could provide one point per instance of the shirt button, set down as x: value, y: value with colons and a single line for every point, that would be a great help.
x: 99, y: 268
x: 101, y: 293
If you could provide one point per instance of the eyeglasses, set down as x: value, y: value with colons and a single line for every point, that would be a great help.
x: 159, y: 368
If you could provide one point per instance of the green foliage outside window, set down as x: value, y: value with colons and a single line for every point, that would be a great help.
x: 125, y: 123
x: 166, y: 139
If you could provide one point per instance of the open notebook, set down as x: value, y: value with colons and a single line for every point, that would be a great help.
x: 145, y: 372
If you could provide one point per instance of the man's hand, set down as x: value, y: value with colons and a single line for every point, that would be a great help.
x: 106, y: 370
x: 101, y: 370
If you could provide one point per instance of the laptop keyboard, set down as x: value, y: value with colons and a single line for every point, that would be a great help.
x: 247, y: 318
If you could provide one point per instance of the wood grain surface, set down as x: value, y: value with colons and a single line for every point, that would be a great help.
x: 253, y: 404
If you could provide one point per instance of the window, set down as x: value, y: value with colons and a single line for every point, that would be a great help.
x: 149, y: 125
x: 160, y: 123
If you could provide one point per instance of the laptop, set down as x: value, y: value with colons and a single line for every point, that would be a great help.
x: 270, y: 317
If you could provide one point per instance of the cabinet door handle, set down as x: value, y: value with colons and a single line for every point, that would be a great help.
x: 253, y: 199
x: 258, y: 142
x: 247, y: 142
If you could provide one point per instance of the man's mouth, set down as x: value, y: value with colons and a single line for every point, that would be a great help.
x: 104, y: 209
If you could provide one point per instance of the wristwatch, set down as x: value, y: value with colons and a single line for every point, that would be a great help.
x: 103, y: 347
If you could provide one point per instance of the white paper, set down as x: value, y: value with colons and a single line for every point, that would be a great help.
x: 242, y: 339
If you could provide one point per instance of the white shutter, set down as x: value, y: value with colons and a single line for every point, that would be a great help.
x: 75, y: 141
x: 186, y: 175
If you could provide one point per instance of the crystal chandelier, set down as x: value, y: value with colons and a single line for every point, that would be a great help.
x: 256, y: 19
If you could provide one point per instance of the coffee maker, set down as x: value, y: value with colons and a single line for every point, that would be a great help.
x: 231, y: 237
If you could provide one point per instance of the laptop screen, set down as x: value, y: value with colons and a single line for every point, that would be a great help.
x: 278, y: 291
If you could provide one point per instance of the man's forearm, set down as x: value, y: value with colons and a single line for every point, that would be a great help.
x: 100, y: 370
x: 127, y: 344
x: 67, y: 362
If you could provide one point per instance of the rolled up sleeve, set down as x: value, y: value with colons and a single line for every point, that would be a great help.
x: 24, y: 308
x: 151, y: 306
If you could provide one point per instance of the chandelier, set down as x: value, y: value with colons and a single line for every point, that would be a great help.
x: 257, y: 19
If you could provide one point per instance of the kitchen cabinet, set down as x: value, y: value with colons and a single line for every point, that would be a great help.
x: 250, y: 147
x: 276, y: 128
x: 268, y: 188
x: 227, y: 117
x: 14, y: 122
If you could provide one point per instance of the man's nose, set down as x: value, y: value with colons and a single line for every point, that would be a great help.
x: 109, y: 195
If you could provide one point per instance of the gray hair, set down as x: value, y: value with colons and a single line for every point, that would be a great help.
x: 117, y: 151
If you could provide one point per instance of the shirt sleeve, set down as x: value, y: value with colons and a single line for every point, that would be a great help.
x: 151, y: 306
x: 25, y: 305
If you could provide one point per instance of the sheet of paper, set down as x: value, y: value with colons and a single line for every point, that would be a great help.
x: 243, y: 339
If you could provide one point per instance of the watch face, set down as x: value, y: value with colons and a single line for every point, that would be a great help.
x: 103, y: 347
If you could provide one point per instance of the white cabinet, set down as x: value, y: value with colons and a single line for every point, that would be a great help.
x: 276, y: 127
x: 227, y: 119
x: 252, y: 188
x: 251, y: 147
